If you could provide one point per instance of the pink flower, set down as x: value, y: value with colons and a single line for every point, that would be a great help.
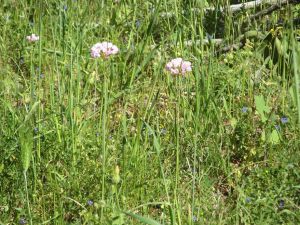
x: 33, y: 38
x: 179, y: 66
x: 186, y: 66
x: 104, y: 49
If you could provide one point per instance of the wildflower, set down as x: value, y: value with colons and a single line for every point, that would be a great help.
x: 277, y: 127
x: 33, y: 38
x: 195, y: 219
x: 36, y: 130
x: 90, y: 202
x: 21, y: 61
x: 163, y: 131
x: 65, y: 8
x: 103, y: 49
x: 150, y: 132
x: 209, y: 37
x: 244, y: 109
x: 281, y: 204
x: 137, y: 23
x: 284, y: 120
x: 7, y: 17
x: 280, y: 21
x: 22, y: 221
x: 179, y: 66
x: 248, y: 199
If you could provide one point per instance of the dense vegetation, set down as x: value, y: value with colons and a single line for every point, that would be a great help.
x: 122, y: 139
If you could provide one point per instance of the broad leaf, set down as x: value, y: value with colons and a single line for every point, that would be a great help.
x: 274, y: 137
x: 261, y: 107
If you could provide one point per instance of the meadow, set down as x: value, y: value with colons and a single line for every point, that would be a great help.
x: 151, y: 112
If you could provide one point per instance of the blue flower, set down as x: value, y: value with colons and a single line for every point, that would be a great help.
x: 90, y: 202
x: 209, y: 37
x: 22, y: 221
x: 195, y: 218
x: 281, y: 204
x: 36, y: 129
x: 21, y: 60
x: 284, y: 120
x: 137, y: 23
x: 65, y: 8
x: 163, y: 131
x: 244, y: 109
x: 280, y: 21
x: 248, y: 200
x: 277, y: 127
x: 7, y: 18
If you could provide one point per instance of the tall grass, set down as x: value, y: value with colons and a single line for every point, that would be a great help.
x: 122, y: 141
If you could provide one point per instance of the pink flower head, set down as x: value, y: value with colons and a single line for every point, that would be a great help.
x: 179, y: 66
x: 104, y: 49
x: 33, y: 38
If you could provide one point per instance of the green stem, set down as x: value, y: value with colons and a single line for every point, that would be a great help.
x: 103, y: 124
x: 27, y: 197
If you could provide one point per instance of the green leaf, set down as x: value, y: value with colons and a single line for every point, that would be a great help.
x: 261, y: 107
x: 1, y: 167
x: 155, y: 141
x: 118, y: 219
x: 293, y: 93
x: 233, y: 122
x: 26, y: 143
x: 263, y: 136
x: 142, y: 219
x: 274, y: 137
x: 279, y: 47
x: 29, y: 115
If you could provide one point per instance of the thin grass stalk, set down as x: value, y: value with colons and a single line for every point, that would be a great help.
x: 39, y: 82
x: 103, y: 140
x: 177, y: 130
x: 72, y: 114
x: 297, y: 76
x: 26, y: 144
x: 27, y: 196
